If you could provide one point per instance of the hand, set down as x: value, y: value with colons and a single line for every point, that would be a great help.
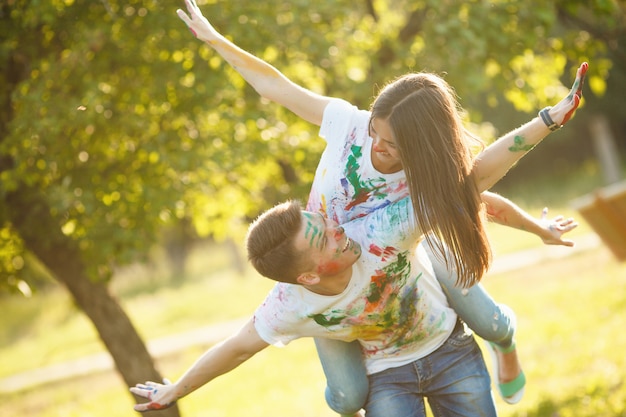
x: 197, y: 23
x: 565, y: 108
x: 553, y: 230
x: 160, y: 395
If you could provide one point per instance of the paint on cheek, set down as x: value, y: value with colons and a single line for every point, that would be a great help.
x: 329, y: 268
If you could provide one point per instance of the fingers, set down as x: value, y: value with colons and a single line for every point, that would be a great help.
x: 143, y: 390
x: 150, y: 407
x: 570, y: 113
x: 577, y: 87
x: 572, y: 101
x: 192, y: 7
x: 561, y: 223
x: 194, y: 14
x: 183, y: 16
x: 149, y: 390
x: 569, y: 226
x: 141, y: 407
x: 581, y: 73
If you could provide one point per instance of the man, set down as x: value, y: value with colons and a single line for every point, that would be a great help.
x: 367, y: 280
x: 377, y: 317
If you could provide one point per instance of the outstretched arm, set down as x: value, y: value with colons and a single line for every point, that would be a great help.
x: 495, y: 161
x: 263, y: 77
x: 218, y: 360
x: 550, y: 231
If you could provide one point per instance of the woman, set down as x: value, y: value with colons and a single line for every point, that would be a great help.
x: 434, y: 166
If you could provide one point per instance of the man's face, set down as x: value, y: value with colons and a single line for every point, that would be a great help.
x: 326, y: 244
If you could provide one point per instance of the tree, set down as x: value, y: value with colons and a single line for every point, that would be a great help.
x: 115, y: 121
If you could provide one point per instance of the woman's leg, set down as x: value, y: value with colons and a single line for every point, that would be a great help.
x: 495, y: 323
x: 346, y: 378
x: 489, y: 320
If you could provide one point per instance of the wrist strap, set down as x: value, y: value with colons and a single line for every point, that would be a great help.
x: 545, y: 116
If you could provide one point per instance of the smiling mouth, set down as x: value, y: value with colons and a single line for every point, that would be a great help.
x: 347, y: 245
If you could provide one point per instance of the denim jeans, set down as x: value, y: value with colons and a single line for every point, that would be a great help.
x: 347, y: 384
x: 346, y: 378
x: 491, y: 321
x: 454, y: 378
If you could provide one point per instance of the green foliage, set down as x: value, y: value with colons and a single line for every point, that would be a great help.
x: 125, y: 121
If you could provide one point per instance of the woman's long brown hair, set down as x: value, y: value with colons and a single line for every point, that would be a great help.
x: 436, y: 155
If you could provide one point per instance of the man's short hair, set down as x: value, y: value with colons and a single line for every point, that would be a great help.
x: 270, y: 243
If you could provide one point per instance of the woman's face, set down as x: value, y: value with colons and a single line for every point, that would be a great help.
x: 385, y: 155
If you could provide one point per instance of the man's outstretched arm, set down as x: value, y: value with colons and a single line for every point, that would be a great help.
x: 220, y: 359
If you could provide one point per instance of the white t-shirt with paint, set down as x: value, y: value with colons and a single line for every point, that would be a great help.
x: 393, y: 303
x: 346, y: 184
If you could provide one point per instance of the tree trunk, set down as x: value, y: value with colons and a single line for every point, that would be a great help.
x: 606, y: 148
x: 31, y: 217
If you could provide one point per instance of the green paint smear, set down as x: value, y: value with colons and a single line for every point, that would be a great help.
x: 313, y: 230
x: 362, y: 189
x: 519, y: 145
x: 322, y: 320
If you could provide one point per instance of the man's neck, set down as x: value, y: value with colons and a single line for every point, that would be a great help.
x: 332, y: 285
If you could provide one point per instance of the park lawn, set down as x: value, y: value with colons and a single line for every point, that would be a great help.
x: 144, y: 293
x: 570, y: 312
x: 56, y: 331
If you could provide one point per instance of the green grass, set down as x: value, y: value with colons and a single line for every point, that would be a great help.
x: 570, y: 312
x: 47, y: 329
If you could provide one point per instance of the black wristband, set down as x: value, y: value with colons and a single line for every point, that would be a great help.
x: 545, y: 116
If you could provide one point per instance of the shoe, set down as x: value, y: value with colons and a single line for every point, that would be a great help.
x: 512, y: 391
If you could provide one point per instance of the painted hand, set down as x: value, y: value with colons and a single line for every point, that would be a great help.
x: 196, y: 22
x: 554, y: 229
x: 160, y: 395
x: 565, y: 108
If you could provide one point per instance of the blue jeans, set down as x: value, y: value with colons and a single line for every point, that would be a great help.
x: 454, y: 378
x: 492, y: 322
x: 346, y: 379
x: 347, y: 384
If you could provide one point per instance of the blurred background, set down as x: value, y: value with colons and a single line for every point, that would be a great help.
x: 132, y: 158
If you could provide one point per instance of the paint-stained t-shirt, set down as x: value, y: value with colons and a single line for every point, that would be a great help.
x: 346, y: 184
x: 393, y: 304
